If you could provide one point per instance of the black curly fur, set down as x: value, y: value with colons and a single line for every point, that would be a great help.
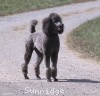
x: 33, y: 24
x: 45, y: 45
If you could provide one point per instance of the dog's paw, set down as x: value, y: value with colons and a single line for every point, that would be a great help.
x: 48, y: 80
x: 55, y: 79
x: 26, y: 77
x: 38, y: 77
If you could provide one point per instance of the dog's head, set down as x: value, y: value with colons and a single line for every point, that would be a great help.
x: 56, y: 23
x: 53, y: 24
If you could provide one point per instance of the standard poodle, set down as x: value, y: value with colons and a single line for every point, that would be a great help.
x: 46, y: 45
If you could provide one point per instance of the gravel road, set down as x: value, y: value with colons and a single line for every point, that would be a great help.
x: 77, y: 76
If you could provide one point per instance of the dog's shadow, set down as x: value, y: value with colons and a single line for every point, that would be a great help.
x: 74, y: 80
x: 78, y: 80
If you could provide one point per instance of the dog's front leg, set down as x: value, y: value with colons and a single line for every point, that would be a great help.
x: 54, y: 58
x: 48, y: 69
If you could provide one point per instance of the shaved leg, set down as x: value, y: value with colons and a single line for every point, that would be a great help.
x: 37, y: 64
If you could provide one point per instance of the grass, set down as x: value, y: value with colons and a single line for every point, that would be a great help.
x: 86, y: 39
x: 16, y: 6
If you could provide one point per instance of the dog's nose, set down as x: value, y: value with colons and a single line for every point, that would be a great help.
x: 61, y: 24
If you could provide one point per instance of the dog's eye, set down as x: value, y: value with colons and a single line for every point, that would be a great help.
x: 56, y: 21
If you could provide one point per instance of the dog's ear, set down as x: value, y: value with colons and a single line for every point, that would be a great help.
x: 46, y: 25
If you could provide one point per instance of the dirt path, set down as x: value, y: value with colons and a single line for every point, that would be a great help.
x: 77, y: 77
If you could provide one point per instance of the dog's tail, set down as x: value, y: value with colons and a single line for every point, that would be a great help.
x: 33, y: 24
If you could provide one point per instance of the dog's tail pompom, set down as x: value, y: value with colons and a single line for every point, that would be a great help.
x: 33, y: 24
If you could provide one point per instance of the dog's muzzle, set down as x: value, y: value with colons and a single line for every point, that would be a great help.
x: 59, y: 26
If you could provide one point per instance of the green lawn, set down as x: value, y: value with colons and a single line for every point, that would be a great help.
x: 17, y: 6
x: 86, y: 39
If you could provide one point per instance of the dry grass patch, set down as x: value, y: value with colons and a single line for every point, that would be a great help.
x: 86, y: 39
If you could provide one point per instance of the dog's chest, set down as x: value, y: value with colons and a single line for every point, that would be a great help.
x: 52, y: 42
x: 43, y: 43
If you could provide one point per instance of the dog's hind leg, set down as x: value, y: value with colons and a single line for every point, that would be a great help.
x: 37, y: 64
x: 27, y: 57
x: 54, y: 58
